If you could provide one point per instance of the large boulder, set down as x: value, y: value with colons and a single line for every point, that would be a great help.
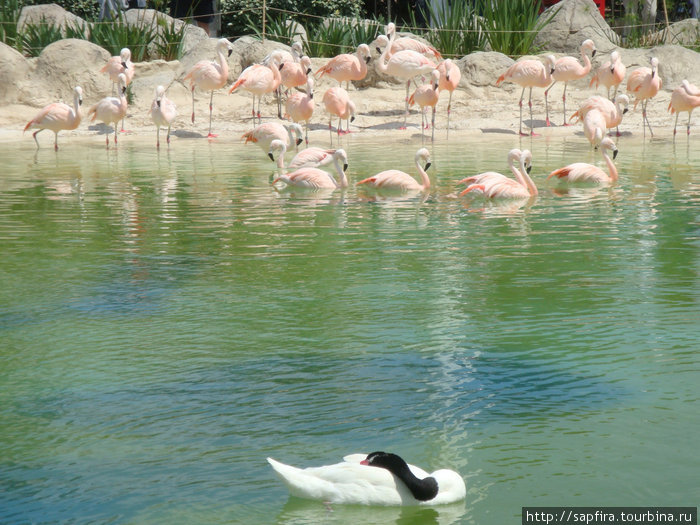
x: 684, y: 33
x: 14, y: 75
x: 251, y: 51
x: 51, y: 14
x: 573, y: 22
x: 192, y: 35
x: 68, y: 63
x: 482, y: 68
x: 676, y: 63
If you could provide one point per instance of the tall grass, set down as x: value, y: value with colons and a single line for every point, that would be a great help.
x: 511, y: 26
x: 168, y: 45
x: 118, y: 34
x: 9, y: 16
x: 328, y: 38
x: 35, y: 37
x: 457, y: 31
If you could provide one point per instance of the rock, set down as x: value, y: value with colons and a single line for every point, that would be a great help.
x: 192, y: 35
x: 574, y: 22
x: 482, y: 68
x: 675, y: 63
x: 684, y: 33
x: 49, y: 14
x: 68, y: 63
x: 14, y: 72
x: 251, y: 51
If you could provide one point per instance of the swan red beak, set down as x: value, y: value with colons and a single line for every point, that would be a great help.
x: 364, y: 462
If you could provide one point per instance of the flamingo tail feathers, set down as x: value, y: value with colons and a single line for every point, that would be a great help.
x: 369, y: 180
x: 561, y: 173
x: 473, y: 187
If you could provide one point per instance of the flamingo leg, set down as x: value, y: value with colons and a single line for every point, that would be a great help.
x: 449, y: 110
x: 546, y: 104
x: 688, y: 125
x: 521, y: 110
x: 306, y: 134
x: 405, y: 115
x: 55, y: 139
x: 192, y: 104
x: 211, y: 108
x: 563, y: 98
x: 339, y: 129
x: 35, y: 140
x: 432, y: 134
x: 675, y: 124
x: 644, y: 116
x: 157, y: 136
x: 122, y: 130
x: 167, y: 139
x: 278, y: 91
x: 532, y: 127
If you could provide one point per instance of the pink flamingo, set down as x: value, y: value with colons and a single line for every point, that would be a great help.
x: 427, y: 95
x: 347, y: 67
x: 264, y: 134
x: 529, y: 73
x: 404, y: 65
x: 399, y: 180
x: 306, y: 158
x: 116, y: 65
x: 685, y: 97
x: 610, y: 74
x: 404, y: 42
x: 259, y: 80
x: 163, y: 112
x: 494, y: 185
x: 583, y: 172
x: 111, y: 110
x: 314, y: 178
x: 289, y: 60
x: 294, y: 74
x: 300, y: 106
x: 57, y: 116
x: 210, y: 76
x: 450, y: 75
x: 594, y: 127
x: 645, y: 83
x: 567, y: 69
x: 612, y: 111
x: 337, y: 102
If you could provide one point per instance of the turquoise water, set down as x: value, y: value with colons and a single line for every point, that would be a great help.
x: 167, y: 321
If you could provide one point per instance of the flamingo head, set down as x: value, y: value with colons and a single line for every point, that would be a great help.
x: 297, y: 49
x: 276, y: 146
x: 424, y: 155
x: 589, y: 45
x: 608, y: 144
x: 125, y: 55
x: 341, y: 155
x: 363, y: 51
x: 79, y: 91
x: 654, y: 66
x: 526, y: 159
x: 624, y: 101
x: 382, y: 42
x: 224, y: 45
x: 122, y: 83
x: 390, y: 28
x: 306, y: 64
x: 550, y: 61
x: 160, y: 91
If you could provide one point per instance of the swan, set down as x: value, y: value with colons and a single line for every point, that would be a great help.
x: 379, y: 478
x: 399, y: 180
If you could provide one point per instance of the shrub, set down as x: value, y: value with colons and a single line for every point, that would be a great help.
x: 9, y: 16
x: 35, y: 37
x: 457, y: 30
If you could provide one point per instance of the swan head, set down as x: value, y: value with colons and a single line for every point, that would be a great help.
x: 423, y: 490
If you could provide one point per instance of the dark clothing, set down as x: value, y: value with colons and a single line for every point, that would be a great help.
x: 200, y: 10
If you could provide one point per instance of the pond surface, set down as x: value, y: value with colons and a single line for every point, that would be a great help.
x: 168, y: 320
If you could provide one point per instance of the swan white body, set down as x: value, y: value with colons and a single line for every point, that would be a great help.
x: 351, y: 482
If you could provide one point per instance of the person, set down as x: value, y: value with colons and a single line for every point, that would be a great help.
x: 202, y: 11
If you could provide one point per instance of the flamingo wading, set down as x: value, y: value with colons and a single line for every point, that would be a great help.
x: 57, y: 116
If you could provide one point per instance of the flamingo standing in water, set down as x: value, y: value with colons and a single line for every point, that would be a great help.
x: 259, y: 80
x: 210, y: 76
x: 567, y: 69
x: 314, y: 178
x: 111, y: 110
x: 610, y: 74
x: 529, y: 73
x: 264, y: 134
x: 494, y: 185
x: 450, y: 75
x: 347, y: 67
x: 337, y: 102
x: 685, y: 97
x: 612, y: 111
x: 404, y: 65
x: 405, y: 42
x: 306, y: 158
x: 594, y: 127
x: 427, y: 95
x: 57, y: 116
x: 645, y: 83
x: 116, y: 65
x: 300, y: 106
x: 163, y: 112
x: 583, y: 172
x: 399, y: 180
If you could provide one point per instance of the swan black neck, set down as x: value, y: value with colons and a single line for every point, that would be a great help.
x: 422, y: 489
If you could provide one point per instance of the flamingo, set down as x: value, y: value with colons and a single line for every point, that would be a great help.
x: 258, y: 80
x: 610, y: 74
x: 347, y: 67
x: 685, y: 97
x: 290, y: 61
x: 645, y: 83
x: 163, y: 112
x: 583, y: 172
x: 378, y: 478
x: 264, y: 134
x: 612, y: 111
x: 337, y: 102
x: 567, y: 69
x: 300, y: 106
x: 306, y: 158
x: 314, y: 178
x: 57, y: 116
x: 493, y: 185
x: 405, y: 42
x: 210, y: 76
x: 450, y: 75
x: 399, y: 180
x: 116, y: 65
x: 404, y: 65
x: 529, y: 73
x: 427, y: 95
x: 594, y: 127
x: 111, y: 110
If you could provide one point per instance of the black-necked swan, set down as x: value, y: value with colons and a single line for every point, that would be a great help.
x: 379, y: 478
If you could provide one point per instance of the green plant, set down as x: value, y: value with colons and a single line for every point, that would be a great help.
x: 35, y: 37
x: 277, y: 28
x: 328, y: 38
x: 168, y: 45
x: 458, y: 32
x: 9, y: 16
x: 510, y: 26
x: 364, y: 31
x: 118, y: 34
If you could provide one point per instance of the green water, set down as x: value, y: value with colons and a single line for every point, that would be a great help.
x: 167, y: 321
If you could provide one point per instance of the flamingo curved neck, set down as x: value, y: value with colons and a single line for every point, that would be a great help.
x: 381, y: 64
x: 223, y: 64
x: 423, y: 175
x: 611, y: 166
x: 342, y: 179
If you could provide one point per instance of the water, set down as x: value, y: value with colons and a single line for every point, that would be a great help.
x: 168, y: 321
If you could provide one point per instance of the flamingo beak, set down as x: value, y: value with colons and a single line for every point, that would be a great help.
x: 379, y: 50
x: 80, y: 101
x: 158, y: 102
x: 653, y: 73
x: 281, y: 66
x: 230, y: 51
x: 345, y: 167
x: 528, y: 169
x: 367, y: 59
x: 299, y: 141
x: 625, y: 110
x: 308, y: 71
x: 124, y: 65
x: 614, y: 154
x: 352, y: 119
x: 552, y: 71
x: 272, y: 158
x: 427, y: 165
x: 593, y: 53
